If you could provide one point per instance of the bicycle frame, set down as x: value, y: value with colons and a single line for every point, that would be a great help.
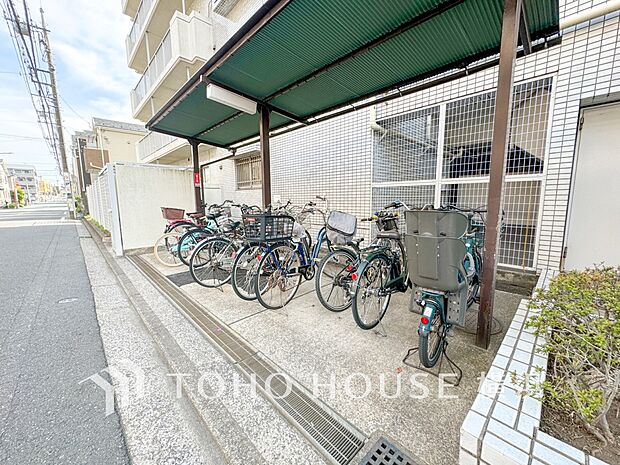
x: 310, y: 259
x: 399, y: 281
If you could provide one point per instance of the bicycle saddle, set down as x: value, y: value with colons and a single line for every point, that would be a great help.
x: 196, y: 215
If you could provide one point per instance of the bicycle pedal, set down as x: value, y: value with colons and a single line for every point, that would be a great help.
x: 450, y: 332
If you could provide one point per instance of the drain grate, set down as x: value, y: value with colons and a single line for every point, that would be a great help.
x: 323, y: 427
x: 331, y: 434
x: 386, y: 453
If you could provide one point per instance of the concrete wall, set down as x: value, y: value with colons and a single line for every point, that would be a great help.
x: 141, y: 191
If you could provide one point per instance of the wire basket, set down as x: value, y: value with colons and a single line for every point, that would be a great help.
x: 172, y: 213
x: 268, y: 228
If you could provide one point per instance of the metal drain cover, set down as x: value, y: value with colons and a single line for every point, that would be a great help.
x: 386, y: 453
x: 471, y: 322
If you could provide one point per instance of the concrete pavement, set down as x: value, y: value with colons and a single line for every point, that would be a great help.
x: 49, y: 342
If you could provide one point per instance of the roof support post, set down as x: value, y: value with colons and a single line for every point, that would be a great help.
x: 197, y: 176
x: 499, y: 148
x: 265, y: 157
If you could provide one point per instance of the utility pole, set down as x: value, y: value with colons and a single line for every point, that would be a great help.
x: 56, y: 105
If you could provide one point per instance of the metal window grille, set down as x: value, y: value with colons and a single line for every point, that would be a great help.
x: 249, y: 172
x: 441, y: 155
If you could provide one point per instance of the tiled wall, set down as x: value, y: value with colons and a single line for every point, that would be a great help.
x: 334, y: 158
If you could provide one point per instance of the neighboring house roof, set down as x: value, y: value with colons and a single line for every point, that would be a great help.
x: 20, y: 166
x: 108, y: 123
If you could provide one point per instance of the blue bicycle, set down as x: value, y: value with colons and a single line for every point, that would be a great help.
x: 282, y: 267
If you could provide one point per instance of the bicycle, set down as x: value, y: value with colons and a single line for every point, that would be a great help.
x: 166, y: 246
x: 445, y: 263
x: 210, y: 224
x: 212, y: 260
x: 333, y: 282
x: 282, y: 268
x: 248, y: 258
x: 382, y: 270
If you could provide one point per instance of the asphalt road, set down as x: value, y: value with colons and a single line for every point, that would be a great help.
x: 49, y: 342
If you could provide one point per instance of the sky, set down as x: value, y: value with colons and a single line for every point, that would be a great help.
x: 88, y: 43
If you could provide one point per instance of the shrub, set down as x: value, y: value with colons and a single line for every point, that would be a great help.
x: 579, y: 316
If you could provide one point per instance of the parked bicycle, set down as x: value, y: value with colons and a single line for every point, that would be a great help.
x: 382, y: 269
x: 282, y: 268
x: 248, y: 258
x: 178, y: 222
x: 212, y: 259
x: 443, y: 249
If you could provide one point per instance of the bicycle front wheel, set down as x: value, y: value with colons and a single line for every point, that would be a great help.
x: 371, y: 299
x: 333, y: 283
x: 244, y: 270
x: 189, y: 241
x: 278, y: 277
x: 431, y: 344
x: 212, y: 261
x: 165, y: 250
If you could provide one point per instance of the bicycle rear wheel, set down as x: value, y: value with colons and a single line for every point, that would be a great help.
x: 244, y: 270
x: 370, y: 300
x: 431, y: 344
x: 333, y: 283
x: 212, y: 261
x: 165, y: 250
x: 278, y: 277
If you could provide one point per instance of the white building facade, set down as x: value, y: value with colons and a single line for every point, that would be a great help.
x: 433, y: 146
x: 26, y: 177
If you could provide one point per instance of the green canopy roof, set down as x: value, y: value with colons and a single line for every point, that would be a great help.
x: 303, y: 58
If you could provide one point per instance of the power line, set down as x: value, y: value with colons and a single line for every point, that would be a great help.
x: 17, y: 136
x: 33, y: 52
x: 72, y: 109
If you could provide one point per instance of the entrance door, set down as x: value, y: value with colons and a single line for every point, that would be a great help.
x: 594, y: 219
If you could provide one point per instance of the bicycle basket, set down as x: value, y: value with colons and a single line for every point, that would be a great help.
x: 268, y: 228
x: 172, y: 213
x: 341, y: 227
x: 388, y: 223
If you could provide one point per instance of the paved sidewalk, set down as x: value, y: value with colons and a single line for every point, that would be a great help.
x: 49, y: 342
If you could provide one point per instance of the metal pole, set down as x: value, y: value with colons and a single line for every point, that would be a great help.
x: 55, y: 102
x: 264, y: 154
x: 196, y: 162
x: 501, y: 128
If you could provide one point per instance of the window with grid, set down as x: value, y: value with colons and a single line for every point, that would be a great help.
x: 249, y: 172
x: 454, y: 169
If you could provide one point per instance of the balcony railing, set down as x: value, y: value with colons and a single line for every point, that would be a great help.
x: 159, y: 62
x: 138, y: 25
x: 187, y: 41
x: 152, y: 142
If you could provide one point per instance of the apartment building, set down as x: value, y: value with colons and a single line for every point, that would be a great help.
x: 26, y: 177
x: 5, y: 185
x: 433, y: 146
x: 167, y: 44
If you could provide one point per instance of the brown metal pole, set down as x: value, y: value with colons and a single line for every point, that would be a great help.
x: 197, y: 176
x: 501, y: 128
x: 264, y: 154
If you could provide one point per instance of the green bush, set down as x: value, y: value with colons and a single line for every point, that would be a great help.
x: 579, y: 316
x: 11, y: 205
x: 96, y: 224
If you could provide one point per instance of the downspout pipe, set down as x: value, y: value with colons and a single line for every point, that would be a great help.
x: 589, y: 14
